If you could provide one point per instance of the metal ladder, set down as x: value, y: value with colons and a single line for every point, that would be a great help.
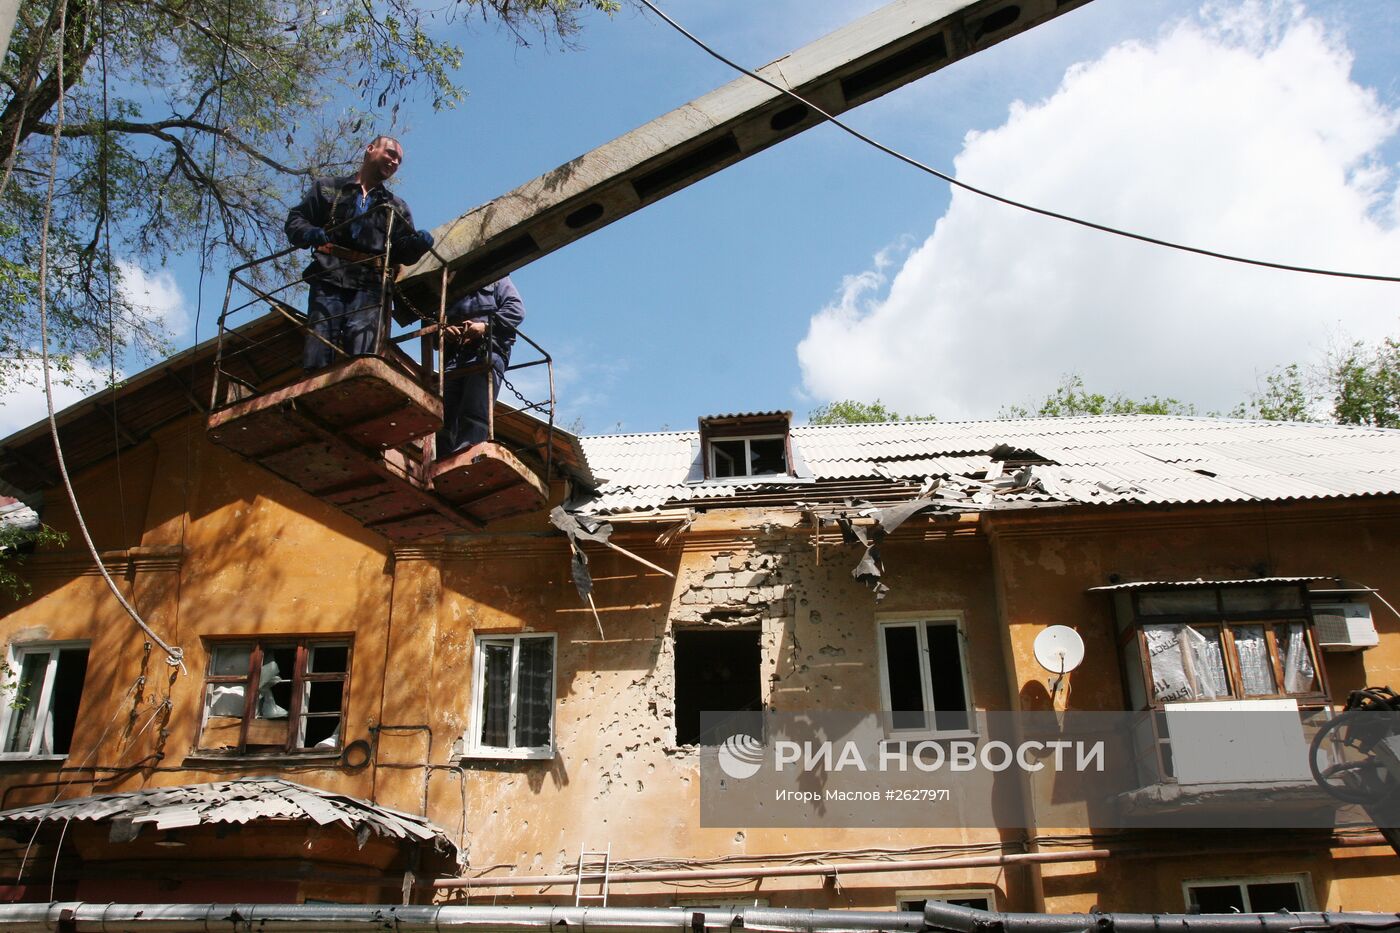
x: 588, y: 870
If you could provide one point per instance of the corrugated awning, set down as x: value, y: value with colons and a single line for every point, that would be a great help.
x: 1252, y: 581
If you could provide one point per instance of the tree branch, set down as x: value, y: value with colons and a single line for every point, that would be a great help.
x: 159, y: 130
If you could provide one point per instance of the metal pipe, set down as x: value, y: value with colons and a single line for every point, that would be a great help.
x: 972, y: 920
x: 82, y: 917
x: 782, y: 871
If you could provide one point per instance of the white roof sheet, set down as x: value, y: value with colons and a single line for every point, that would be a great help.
x: 1114, y: 458
x: 238, y: 801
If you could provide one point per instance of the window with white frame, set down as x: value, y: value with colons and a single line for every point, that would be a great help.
x: 979, y: 898
x: 1264, y: 894
x: 923, y: 675
x: 49, y: 679
x: 748, y: 456
x: 513, y: 697
x: 275, y: 696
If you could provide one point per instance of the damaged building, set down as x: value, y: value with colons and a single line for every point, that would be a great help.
x: 538, y: 673
x: 517, y: 715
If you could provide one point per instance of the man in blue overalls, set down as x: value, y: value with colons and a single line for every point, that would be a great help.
x: 345, y: 220
x: 467, y: 399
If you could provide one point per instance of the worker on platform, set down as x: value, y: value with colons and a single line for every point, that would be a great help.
x: 346, y: 221
x: 466, y: 399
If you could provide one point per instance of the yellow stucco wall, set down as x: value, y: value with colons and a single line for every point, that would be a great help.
x: 219, y: 548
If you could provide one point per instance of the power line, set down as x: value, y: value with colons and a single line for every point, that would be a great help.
x: 1001, y: 199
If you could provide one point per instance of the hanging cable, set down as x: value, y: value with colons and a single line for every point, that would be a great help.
x: 1011, y: 202
x: 175, y: 655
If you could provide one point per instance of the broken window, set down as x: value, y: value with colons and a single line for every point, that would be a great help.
x: 1220, y: 643
x: 924, y: 676
x: 275, y: 696
x: 1264, y: 895
x: 48, y: 687
x: 717, y: 671
x: 748, y: 456
x: 513, y: 697
x: 754, y: 444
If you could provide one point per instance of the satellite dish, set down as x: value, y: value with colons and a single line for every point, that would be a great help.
x: 1059, y: 649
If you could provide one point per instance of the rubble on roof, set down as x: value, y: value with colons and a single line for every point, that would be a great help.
x: 239, y: 801
x: 981, y: 466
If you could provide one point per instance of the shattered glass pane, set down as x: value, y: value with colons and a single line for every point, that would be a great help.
x: 229, y: 660
x: 728, y: 457
x: 275, y: 682
x: 225, y: 700
x: 495, y: 700
x: 328, y: 659
x: 767, y: 455
x: 906, y: 680
x: 946, y: 675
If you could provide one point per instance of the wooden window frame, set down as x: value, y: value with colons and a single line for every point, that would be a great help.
x: 1225, y: 621
x: 300, y: 678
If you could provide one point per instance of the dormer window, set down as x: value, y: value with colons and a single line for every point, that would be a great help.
x: 746, y: 445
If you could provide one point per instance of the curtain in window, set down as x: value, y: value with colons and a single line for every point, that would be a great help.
x: 534, y: 687
x: 1187, y: 663
x: 1298, y: 673
x: 495, y: 711
x: 1256, y: 668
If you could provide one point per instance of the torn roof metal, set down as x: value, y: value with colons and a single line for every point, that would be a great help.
x: 244, y: 800
x: 1142, y: 459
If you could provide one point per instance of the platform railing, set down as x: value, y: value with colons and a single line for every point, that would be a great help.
x: 430, y: 370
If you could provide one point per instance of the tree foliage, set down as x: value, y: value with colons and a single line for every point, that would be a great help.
x: 1286, y: 396
x: 15, y: 544
x: 178, y: 111
x: 1365, y: 383
x: 1071, y: 398
x: 850, y: 411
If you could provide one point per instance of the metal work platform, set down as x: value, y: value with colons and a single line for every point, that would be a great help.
x: 360, y: 434
x: 488, y: 482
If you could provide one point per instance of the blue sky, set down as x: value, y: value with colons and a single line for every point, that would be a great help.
x: 822, y: 269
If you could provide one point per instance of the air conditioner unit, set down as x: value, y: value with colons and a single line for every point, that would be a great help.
x: 1344, y: 626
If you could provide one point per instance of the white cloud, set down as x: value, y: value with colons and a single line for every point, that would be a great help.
x: 156, y: 295
x: 23, y: 402
x: 1240, y: 131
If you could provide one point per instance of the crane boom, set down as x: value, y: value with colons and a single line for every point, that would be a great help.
x: 866, y: 59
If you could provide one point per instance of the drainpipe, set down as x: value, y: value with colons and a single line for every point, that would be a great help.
x: 775, y: 871
x: 80, y: 917
x: 971, y: 920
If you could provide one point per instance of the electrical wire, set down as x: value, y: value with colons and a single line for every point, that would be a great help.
x: 175, y: 655
x: 1001, y: 199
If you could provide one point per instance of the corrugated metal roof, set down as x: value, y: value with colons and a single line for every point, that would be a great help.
x: 1256, y: 581
x: 1153, y: 459
x: 239, y: 801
